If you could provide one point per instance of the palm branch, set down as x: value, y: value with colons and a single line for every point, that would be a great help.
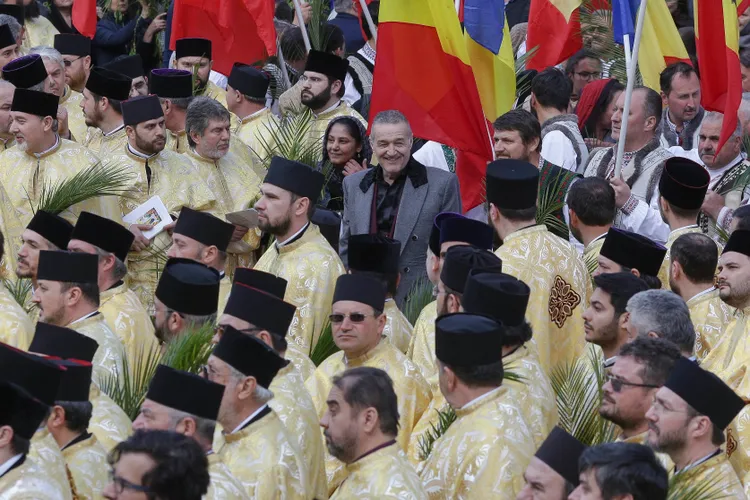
x: 427, y: 440
x: 287, y: 138
x: 550, y: 202
x: 578, y: 386
x: 128, y: 388
x: 325, y: 346
x: 189, y: 351
x: 419, y: 296
x: 684, y: 486
x: 597, y: 23
x: 317, y: 25
x: 19, y: 289
x: 101, y: 179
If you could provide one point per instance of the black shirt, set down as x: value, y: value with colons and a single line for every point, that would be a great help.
x: 387, y: 201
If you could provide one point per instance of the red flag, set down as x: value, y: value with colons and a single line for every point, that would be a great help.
x: 84, y: 17
x: 240, y: 31
x: 742, y: 7
x: 555, y: 28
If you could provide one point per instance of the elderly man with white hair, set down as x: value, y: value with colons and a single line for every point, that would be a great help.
x: 661, y: 314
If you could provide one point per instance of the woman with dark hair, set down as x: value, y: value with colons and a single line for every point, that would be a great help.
x: 346, y: 150
x: 595, y: 109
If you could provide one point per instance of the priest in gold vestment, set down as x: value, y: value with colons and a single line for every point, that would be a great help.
x: 85, y: 458
x: 38, y: 30
x: 357, y: 321
x: 591, y: 209
x: 102, y: 108
x: 182, y: 402
x: 559, y: 283
x: 246, y: 98
x: 375, y: 465
x: 553, y: 469
x: 300, y: 254
x: 484, y: 453
x: 258, y: 448
x: 75, y: 50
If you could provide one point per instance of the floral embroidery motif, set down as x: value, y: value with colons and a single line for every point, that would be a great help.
x: 731, y: 442
x: 562, y: 300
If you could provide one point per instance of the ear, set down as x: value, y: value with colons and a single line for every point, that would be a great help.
x: 109, y: 263
x: 653, y: 335
x: 449, y: 378
x: 266, y: 338
x: 130, y: 131
x: 532, y: 102
x: 47, y: 123
x: 534, y: 144
x: 664, y: 99
x: 195, y: 137
x: 174, y: 322
x: 370, y: 420
x: 6, y: 436
x: 87, y: 62
x: 104, y: 102
x: 246, y: 388
x: 635, y: 272
x: 494, y: 212
x: 74, y: 296
x: 211, y: 253
x: 675, y: 269
x: 56, y: 417
x: 210, y: 67
x: 663, y: 204
x: 650, y: 123
x: 187, y: 426
x: 336, y: 86
x: 381, y: 322
x: 572, y: 217
x: 736, y: 144
x: 454, y: 305
x: 304, y: 204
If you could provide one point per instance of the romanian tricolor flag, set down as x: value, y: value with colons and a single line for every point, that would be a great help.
x: 424, y: 70
x: 555, y: 28
x: 717, y: 41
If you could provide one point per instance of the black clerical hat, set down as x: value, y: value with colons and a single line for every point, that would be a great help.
x: 263, y: 281
x: 260, y: 309
x: 434, y: 242
x: 360, y: 288
x: 6, y: 37
x: 249, y: 81
x: 189, y: 287
x: 15, y: 11
x: 75, y: 382
x: 68, y: 267
x: 141, y: 109
x: 109, y: 84
x: 466, y: 230
x: 295, y: 177
x: 61, y: 342
x: 460, y: 260
x: 633, y: 251
x: 185, y: 392
x: 705, y: 392
x: 249, y: 356
x: 130, y: 66
x: 40, y: 377
x: 499, y: 295
x: 72, y: 44
x: 329, y: 223
x: 333, y: 66
x: 684, y: 183
x: 192, y: 47
x: 465, y: 339
x: 739, y: 241
x: 34, y: 103
x: 204, y: 228
x: 52, y: 228
x: 374, y: 253
x: 103, y: 233
x: 561, y: 451
x: 171, y: 83
x: 512, y: 184
x: 25, y: 71
x: 20, y: 410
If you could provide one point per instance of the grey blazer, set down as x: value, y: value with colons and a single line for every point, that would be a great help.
x: 417, y: 210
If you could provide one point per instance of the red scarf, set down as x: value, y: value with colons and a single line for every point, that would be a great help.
x: 587, y: 102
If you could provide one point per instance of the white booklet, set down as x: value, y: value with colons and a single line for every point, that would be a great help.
x: 245, y: 218
x: 153, y: 213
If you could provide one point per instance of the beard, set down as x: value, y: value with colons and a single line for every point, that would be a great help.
x: 148, y: 147
x: 317, y: 101
x: 278, y: 229
x: 607, y: 335
x: 342, y: 449
x: 576, y: 233
x: 667, y: 442
x: 22, y: 146
x: 162, y: 332
x: 52, y: 317
x: 736, y: 296
x: 200, y: 85
x: 95, y: 119
x: 215, y: 153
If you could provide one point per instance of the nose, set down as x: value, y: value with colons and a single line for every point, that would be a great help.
x: 109, y: 491
x: 324, y: 421
x: 138, y: 423
x: 36, y: 299
x: 172, y: 252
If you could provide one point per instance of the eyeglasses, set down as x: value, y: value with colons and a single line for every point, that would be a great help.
x: 588, y: 75
x: 618, y: 384
x: 219, y: 330
x: 659, y: 407
x: 69, y: 63
x: 353, y: 317
x: 122, y: 484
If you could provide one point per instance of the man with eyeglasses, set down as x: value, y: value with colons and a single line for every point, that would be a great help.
x: 357, y: 322
x: 182, y: 402
x: 157, y: 464
x: 582, y: 68
x: 76, y: 52
x: 687, y: 421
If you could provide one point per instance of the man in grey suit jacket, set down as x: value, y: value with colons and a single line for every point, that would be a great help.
x: 399, y: 198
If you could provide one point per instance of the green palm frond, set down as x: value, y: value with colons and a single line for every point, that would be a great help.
x: 551, y: 201
x: 596, y: 25
x: 419, y: 296
x: 446, y: 417
x: 287, y: 138
x: 189, y: 351
x: 325, y: 346
x: 101, y: 179
x: 20, y: 290
x: 578, y: 386
x: 684, y: 486
x: 128, y: 388
x: 317, y: 25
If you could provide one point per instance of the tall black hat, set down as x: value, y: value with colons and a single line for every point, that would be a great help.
x: 20, y: 410
x: 189, y: 287
x: 40, y: 377
x: 171, y: 83
x: 434, y: 243
x: 68, y: 267
x: 374, y: 253
x: 295, y: 177
x: 26, y: 71
x: 193, y: 47
x: 103, y: 233
x: 739, y: 241
x: 130, y: 66
x: 15, y: 11
x: 633, y: 251
x: 684, y: 183
x: 360, y: 288
x: 460, y: 260
x: 109, y: 84
x: 76, y: 380
x: 466, y: 230
x: 333, y: 66
x: 561, y: 451
x: 34, y: 102
x: 185, y: 392
x: 141, y: 109
x: 73, y: 44
x: 249, y: 81
x: 261, y: 280
x: 61, y: 342
x: 204, y: 228
x: 250, y: 356
x: 465, y: 339
x: 6, y: 37
x: 260, y: 309
x: 512, y: 184
x: 499, y: 295
x: 51, y: 227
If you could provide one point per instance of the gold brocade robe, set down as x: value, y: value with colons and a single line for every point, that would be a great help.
x: 384, y: 473
x: 710, y: 316
x: 108, y: 358
x: 483, y: 454
x: 87, y: 463
x: 71, y: 101
x: 16, y: 328
x: 225, y: 286
x: 321, y: 121
x: 178, y: 142
x: 560, y: 288
x: 294, y: 407
x: 28, y: 174
x: 45, y: 452
x: 422, y: 346
x: 105, y: 145
x: 39, y: 31
x: 126, y: 316
x: 256, y: 131
x: 591, y: 254
x: 311, y: 267
x: 412, y: 391
x: 264, y: 459
x: 301, y: 360
x: 29, y: 481
x: 718, y: 472
x: 730, y: 359
x: 397, y: 329
x: 109, y: 423
x: 673, y: 235
x: 223, y: 485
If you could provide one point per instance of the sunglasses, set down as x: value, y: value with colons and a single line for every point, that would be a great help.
x: 353, y: 317
x: 618, y: 384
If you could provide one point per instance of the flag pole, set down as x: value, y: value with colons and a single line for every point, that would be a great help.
x: 305, y: 36
x: 282, y: 63
x: 368, y: 17
x: 629, y: 88
x: 628, y: 53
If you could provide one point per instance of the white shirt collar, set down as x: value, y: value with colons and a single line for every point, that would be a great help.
x: 83, y: 317
x: 244, y: 422
x: 336, y: 105
x: 57, y: 141
x: 698, y: 462
x: 114, y: 131
x: 254, y: 114
x: 280, y: 244
x: 484, y: 396
x: 701, y: 294
x: 139, y: 154
x: 689, y: 226
x: 9, y: 463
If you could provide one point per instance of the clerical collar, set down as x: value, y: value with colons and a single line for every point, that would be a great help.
x: 293, y: 238
x: 600, y: 237
x: 139, y: 154
x: 42, y: 153
x: 377, y: 448
x: 114, y: 131
x: 249, y: 419
x: 336, y: 105
x: 8, y: 465
x: 610, y: 362
x: 701, y: 294
x: 700, y: 461
x: 481, y: 398
x: 251, y: 115
x: 119, y: 283
x: 222, y: 274
x: 92, y: 313
x: 76, y: 440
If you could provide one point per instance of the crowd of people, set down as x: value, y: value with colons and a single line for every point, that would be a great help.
x: 190, y: 308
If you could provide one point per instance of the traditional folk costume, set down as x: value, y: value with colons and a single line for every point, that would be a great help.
x: 562, y: 143
x: 727, y: 181
x: 687, y: 139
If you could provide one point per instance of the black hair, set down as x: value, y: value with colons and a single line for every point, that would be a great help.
x: 593, y: 201
x: 657, y: 356
x: 77, y: 414
x: 579, y: 56
x: 490, y: 375
x: 518, y: 215
x: 292, y: 44
x: 115, y: 104
x: 521, y: 121
x: 333, y: 38
x: 620, y: 287
x: 698, y: 256
x: 611, y: 88
x: 19, y: 445
x: 89, y: 291
x: 652, y: 103
x: 626, y: 469
x: 284, y: 12
x: 552, y: 89
x: 365, y: 387
x: 742, y: 215
x: 668, y: 74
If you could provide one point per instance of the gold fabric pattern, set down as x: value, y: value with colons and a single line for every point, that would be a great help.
x: 29, y: 481
x: 105, y: 145
x: 591, y: 255
x: 562, y: 300
x: 39, y: 31
x: 71, y: 101
x: 710, y: 316
x: 223, y: 486
x: 302, y: 362
x: 108, y: 358
x: 730, y: 358
x: 16, y: 328
x: 255, y: 132
x: 718, y: 472
x: 87, y: 463
x: 321, y: 121
x: 673, y: 235
x: 45, y: 452
x: 397, y: 329
x: 109, y: 423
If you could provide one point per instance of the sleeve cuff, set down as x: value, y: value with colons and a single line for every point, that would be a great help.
x: 725, y: 218
x: 630, y: 205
